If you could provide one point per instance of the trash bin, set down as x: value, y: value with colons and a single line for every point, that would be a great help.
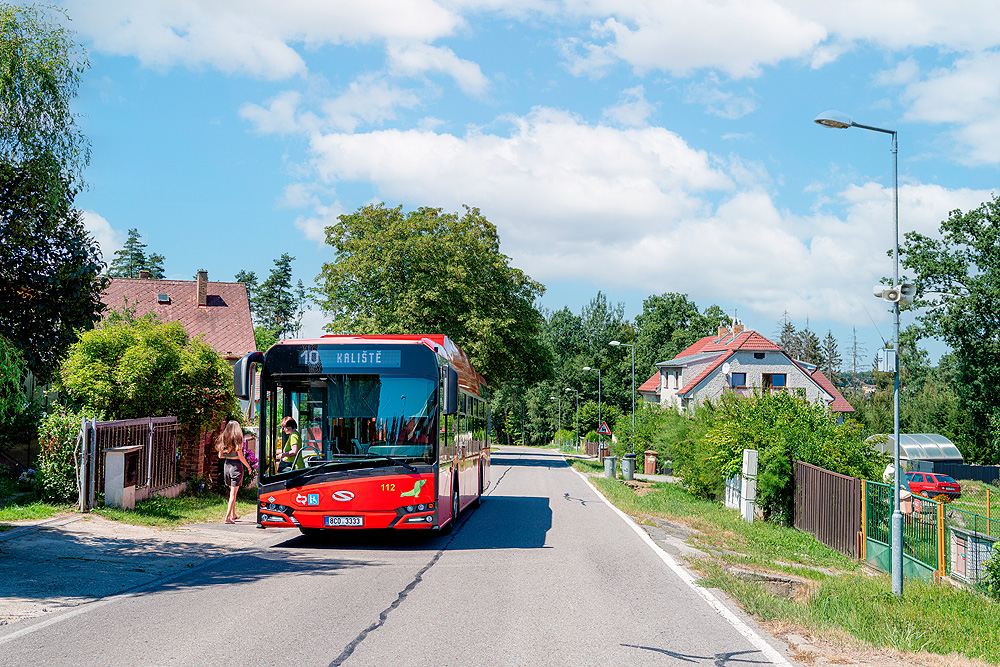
x: 628, y: 467
x: 650, y: 467
x: 609, y: 467
x: 602, y: 453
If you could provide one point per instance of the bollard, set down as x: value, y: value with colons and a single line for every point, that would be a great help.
x: 650, y: 465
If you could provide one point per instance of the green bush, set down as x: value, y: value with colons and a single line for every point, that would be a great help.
x: 55, y: 478
x: 784, y: 428
x: 991, y: 579
x: 140, y: 367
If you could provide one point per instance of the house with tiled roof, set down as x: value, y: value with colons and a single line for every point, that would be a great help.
x: 741, y: 361
x: 218, y: 311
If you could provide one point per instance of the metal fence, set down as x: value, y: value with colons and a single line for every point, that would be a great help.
x: 937, y: 538
x: 828, y: 506
x: 157, y: 459
x: 987, y: 474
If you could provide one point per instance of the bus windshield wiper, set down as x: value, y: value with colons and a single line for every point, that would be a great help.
x: 307, y: 471
x: 394, y: 460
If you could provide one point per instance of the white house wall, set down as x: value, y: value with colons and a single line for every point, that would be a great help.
x: 773, y: 362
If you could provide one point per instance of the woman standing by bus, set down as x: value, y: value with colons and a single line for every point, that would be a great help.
x: 230, y: 447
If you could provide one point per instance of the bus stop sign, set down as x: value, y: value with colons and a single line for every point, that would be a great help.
x: 604, y: 430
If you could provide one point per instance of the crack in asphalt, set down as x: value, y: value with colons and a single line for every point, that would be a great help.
x: 350, y: 648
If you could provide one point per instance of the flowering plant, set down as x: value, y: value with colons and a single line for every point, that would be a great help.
x: 251, y: 458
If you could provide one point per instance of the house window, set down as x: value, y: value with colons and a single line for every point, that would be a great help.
x: 739, y: 380
x: 774, y: 380
x: 758, y: 355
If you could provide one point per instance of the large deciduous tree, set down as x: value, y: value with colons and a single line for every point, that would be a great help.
x: 958, y: 285
x: 428, y: 271
x: 49, y: 265
x: 50, y: 269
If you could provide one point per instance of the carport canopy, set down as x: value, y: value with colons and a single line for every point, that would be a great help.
x: 919, y: 447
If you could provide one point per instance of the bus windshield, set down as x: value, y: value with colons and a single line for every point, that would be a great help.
x: 344, y: 421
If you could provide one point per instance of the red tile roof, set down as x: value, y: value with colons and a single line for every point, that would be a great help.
x: 224, y: 319
x: 839, y: 403
x: 704, y: 373
x: 652, y: 384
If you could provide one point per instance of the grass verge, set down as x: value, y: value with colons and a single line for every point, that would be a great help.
x: 845, y: 597
x: 163, y: 512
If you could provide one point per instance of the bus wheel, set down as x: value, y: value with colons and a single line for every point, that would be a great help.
x: 479, y: 496
x: 454, y: 511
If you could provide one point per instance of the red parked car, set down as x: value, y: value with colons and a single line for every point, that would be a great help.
x: 931, y: 485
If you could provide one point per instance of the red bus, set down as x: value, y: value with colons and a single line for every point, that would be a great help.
x: 395, y: 432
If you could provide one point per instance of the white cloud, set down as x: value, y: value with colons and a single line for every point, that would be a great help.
x: 719, y: 102
x: 110, y: 239
x: 278, y: 117
x: 966, y: 95
x: 632, y: 109
x: 415, y: 59
x: 313, y: 227
x: 639, y: 208
x: 312, y: 324
x: 733, y: 36
x: 370, y: 99
x: 253, y: 37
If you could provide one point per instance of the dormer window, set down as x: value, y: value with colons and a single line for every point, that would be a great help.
x: 162, y: 299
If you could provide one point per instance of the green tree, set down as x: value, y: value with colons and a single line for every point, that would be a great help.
x: 280, y: 304
x: 958, y: 290
x: 49, y: 266
x: 788, y: 338
x: 50, y: 283
x: 831, y: 358
x: 129, y: 368
x: 810, y: 348
x: 132, y: 259
x: 427, y: 271
x: 662, y: 329
x: 40, y: 70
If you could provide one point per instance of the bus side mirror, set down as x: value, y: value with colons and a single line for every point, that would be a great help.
x: 449, y: 402
x: 241, y: 374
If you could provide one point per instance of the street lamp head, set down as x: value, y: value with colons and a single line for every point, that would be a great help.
x: 614, y: 343
x: 552, y: 398
x: 835, y: 119
x: 587, y: 368
x: 568, y: 389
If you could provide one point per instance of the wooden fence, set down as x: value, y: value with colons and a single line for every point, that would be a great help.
x: 828, y: 506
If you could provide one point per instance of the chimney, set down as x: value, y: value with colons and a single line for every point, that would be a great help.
x: 202, y: 287
x: 144, y: 275
x: 723, y: 331
x: 738, y: 328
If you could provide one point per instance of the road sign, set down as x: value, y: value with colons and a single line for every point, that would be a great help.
x: 604, y: 430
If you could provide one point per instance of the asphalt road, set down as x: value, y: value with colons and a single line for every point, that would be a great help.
x: 543, y: 573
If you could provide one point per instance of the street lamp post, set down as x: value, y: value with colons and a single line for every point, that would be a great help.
x: 558, y: 400
x: 840, y: 120
x: 600, y: 436
x: 576, y: 430
x: 616, y: 343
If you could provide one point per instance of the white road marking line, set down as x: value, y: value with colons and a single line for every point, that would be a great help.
x: 769, y: 651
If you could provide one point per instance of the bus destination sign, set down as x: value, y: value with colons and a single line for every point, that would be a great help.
x: 356, y: 358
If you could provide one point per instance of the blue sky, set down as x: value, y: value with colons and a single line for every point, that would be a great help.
x: 630, y: 146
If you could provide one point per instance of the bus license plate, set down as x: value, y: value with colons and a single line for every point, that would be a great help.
x: 351, y: 521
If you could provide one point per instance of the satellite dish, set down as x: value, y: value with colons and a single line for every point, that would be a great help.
x: 726, y: 368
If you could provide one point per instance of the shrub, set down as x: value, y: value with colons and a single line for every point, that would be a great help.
x: 991, y: 579
x: 140, y: 367
x: 55, y: 478
x: 784, y: 428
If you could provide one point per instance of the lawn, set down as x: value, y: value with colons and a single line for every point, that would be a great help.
x: 846, y: 597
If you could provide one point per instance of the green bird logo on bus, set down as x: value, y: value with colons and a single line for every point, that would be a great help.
x: 416, y: 489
